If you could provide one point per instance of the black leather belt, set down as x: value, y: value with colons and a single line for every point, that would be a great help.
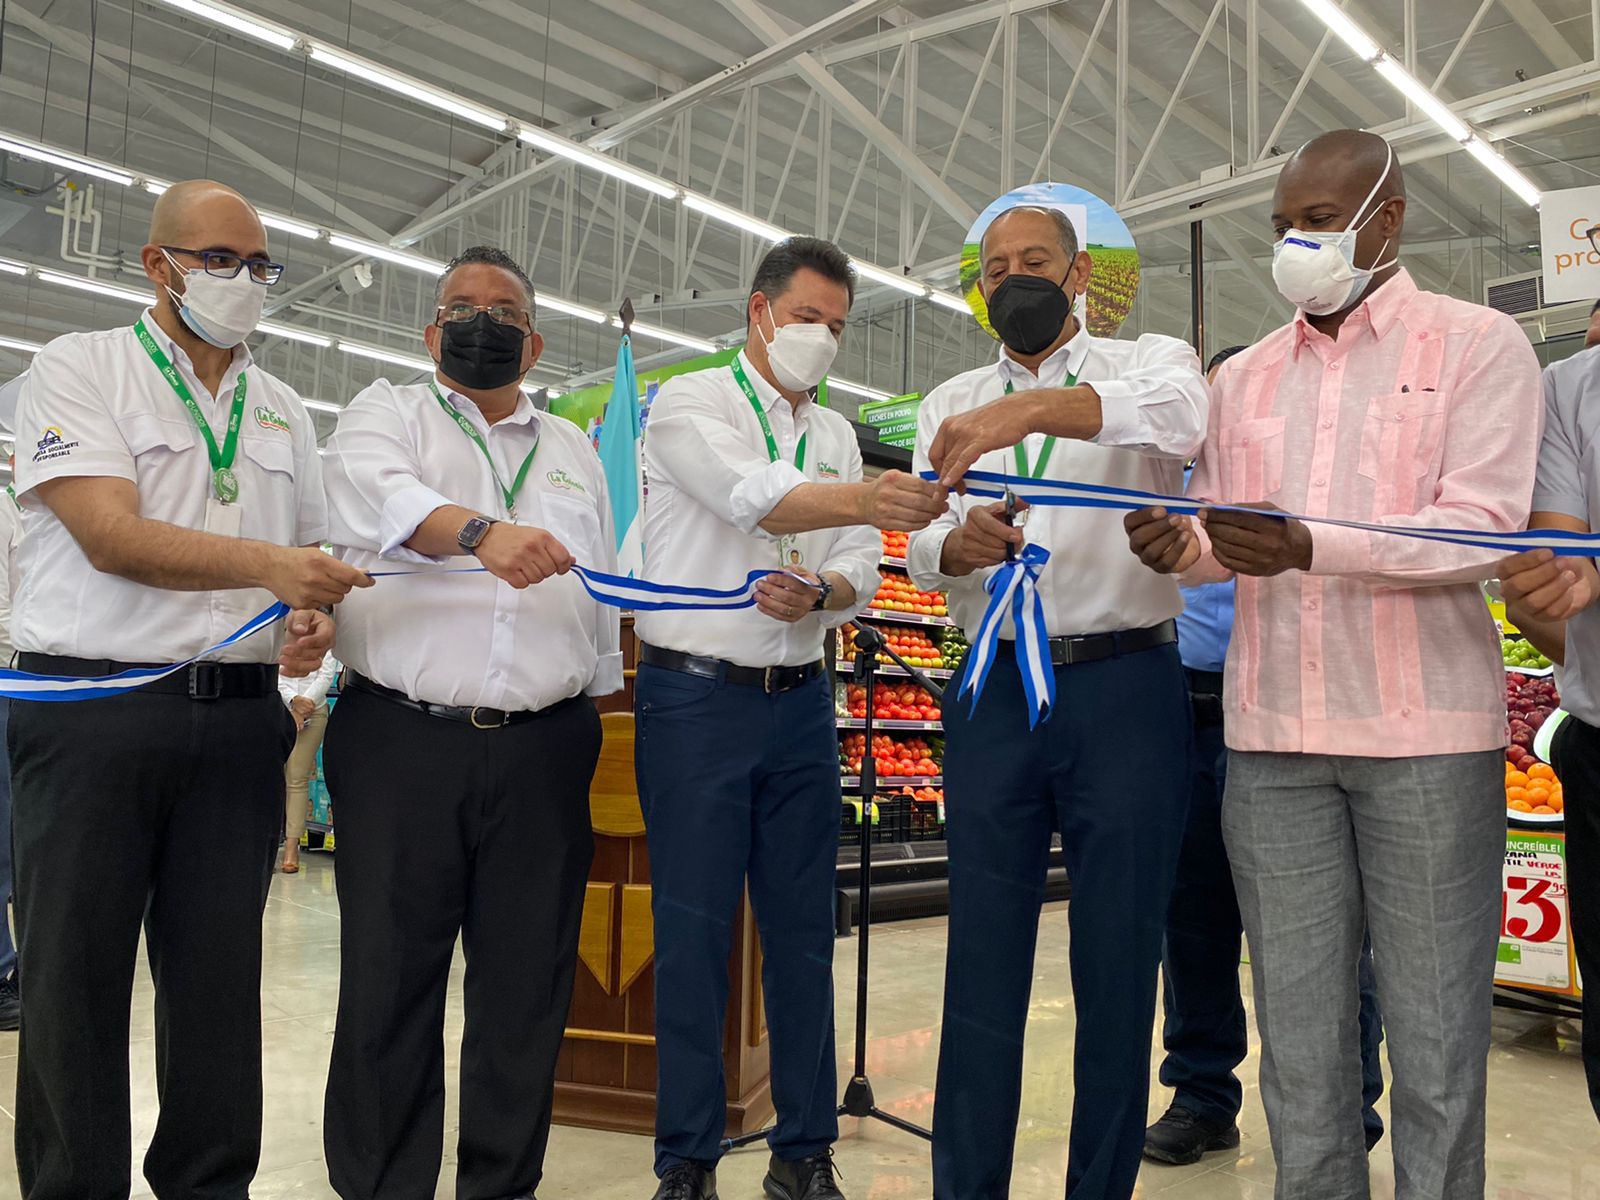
x: 478, y: 716
x: 198, y: 681
x: 1068, y: 651
x: 1205, y: 697
x: 769, y: 679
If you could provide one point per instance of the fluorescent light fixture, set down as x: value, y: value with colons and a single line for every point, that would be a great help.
x: 676, y: 338
x: 888, y: 278
x: 732, y: 216
x: 405, y: 86
x: 857, y: 389
x: 1412, y: 89
x: 949, y: 300
x: 273, y: 329
x: 1504, y: 171
x: 582, y: 311
x: 552, y: 393
x: 13, y: 268
x: 1345, y: 29
x: 322, y: 406
x: 289, y: 225
x: 69, y: 162
x: 238, y: 22
x: 393, y: 357
x: 416, y: 262
x: 98, y: 286
x: 11, y: 343
x: 604, y: 163
x: 154, y: 186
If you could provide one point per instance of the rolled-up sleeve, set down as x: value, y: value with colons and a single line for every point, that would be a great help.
x: 854, y: 554
x: 690, y: 442
x: 376, y: 498
x: 925, y: 548
x: 1159, y: 405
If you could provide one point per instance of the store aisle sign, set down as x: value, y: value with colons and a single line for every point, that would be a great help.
x: 1571, y: 263
x: 1535, y: 936
x: 894, y: 419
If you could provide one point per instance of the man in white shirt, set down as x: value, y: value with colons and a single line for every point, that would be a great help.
x: 737, y: 752
x: 1108, y: 768
x: 307, y: 701
x: 460, y: 753
x: 170, y: 490
x: 10, y: 996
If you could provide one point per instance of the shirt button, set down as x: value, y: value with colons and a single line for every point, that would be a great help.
x: 1311, y: 666
x: 1311, y: 606
x: 1322, y: 483
x: 1336, y: 364
x: 1405, y: 712
x: 1327, y: 424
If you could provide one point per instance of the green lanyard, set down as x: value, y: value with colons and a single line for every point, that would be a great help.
x: 766, y: 425
x: 12, y: 492
x: 223, y: 480
x: 1046, y: 450
x: 510, y: 493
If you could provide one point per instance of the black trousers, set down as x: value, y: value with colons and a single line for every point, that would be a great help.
x: 447, y: 830
x: 1575, y: 752
x: 164, y: 810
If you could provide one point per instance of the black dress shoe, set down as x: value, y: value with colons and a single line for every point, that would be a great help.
x: 688, y: 1181
x: 1182, y: 1137
x: 808, y: 1179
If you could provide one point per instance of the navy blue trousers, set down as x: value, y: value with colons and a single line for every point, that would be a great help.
x: 1109, y: 769
x: 1204, y: 1034
x: 735, y: 785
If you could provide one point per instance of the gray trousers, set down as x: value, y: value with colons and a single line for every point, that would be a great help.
x: 1412, y: 848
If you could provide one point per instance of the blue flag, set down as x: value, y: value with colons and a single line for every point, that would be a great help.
x: 621, y: 448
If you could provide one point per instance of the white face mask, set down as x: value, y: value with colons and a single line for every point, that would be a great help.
x: 221, y: 311
x: 1317, y: 272
x: 800, y: 353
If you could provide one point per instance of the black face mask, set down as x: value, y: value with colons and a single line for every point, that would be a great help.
x: 1029, y: 312
x: 481, y: 354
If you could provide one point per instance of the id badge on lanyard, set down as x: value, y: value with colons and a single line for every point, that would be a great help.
x: 222, y: 519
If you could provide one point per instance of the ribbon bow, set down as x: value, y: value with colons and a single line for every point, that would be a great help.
x: 1015, y: 586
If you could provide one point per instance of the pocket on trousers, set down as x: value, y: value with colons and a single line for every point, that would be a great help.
x: 662, y: 691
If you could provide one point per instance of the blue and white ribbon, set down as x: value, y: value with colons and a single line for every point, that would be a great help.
x: 1014, y: 587
x: 639, y: 595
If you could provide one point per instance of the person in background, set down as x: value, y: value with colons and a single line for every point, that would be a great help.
x: 460, y: 753
x: 1365, y: 697
x: 1552, y: 601
x: 1057, y: 403
x: 1591, y: 336
x: 10, y: 535
x: 1205, y: 1034
x: 737, y: 752
x: 151, y: 532
x: 308, y: 704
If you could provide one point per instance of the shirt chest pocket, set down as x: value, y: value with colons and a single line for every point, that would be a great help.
x: 1253, y: 454
x: 1402, y: 436
x: 154, y: 441
x: 575, y: 524
x: 266, y: 470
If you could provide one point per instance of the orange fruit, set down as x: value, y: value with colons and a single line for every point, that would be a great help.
x: 1520, y: 806
x: 1516, y: 780
x: 1545, y: 810
x: 1541, y: 771
x: 1538, y: 791
x: 1555, y: 802
x: 1516, y: 795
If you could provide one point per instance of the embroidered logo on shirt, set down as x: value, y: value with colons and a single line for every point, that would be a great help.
x: 562, y: 480
x: 826, y: 469
x: 53, y: 445
x: 268, y: 419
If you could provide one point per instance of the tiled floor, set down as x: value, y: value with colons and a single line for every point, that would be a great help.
x: 1544, y: 1143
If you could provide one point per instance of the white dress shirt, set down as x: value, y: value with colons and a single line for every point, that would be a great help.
x: 10, y: 536
x: 95, y: 405
x: 709, y: 482
x: 313, y: 687
x: 468, y: 639
x: 1154, y: 404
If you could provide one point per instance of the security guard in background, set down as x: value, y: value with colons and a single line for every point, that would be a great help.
x: 170, y: 489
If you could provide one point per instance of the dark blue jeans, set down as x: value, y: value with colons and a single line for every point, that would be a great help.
x: 8, y: 949
x: 1204, y: 1034
x: 1007, y: 787
x: 736, y: 784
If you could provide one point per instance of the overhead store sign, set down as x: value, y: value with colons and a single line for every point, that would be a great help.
x: 894, y: 420
x: 1571, y: 263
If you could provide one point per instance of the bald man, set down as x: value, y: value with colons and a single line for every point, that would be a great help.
x: 1364, y: 697
x: 170, y: 490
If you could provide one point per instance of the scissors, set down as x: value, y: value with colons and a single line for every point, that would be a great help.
x: 1015, y: 518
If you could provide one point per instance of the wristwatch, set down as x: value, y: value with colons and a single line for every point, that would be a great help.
x: 472, y: 533
x: 824, y: 596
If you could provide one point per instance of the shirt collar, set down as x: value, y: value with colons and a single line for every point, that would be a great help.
x: 1069, y: 359
x: 1378, y: 311
x: 242, y: 358
x: 524, y: 414
x: 765, y: 392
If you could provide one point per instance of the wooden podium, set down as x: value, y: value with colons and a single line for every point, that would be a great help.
x: 606, y: 1075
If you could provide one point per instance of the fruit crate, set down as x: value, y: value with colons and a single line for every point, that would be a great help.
x: 927, y: 821
x: 891, y: 824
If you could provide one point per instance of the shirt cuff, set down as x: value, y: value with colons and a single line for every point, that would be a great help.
x: 1119, y: 425
x: 607, y: 676
x: 862, y: 577
x: 402, y: 513
x: 923, y: 555
x: 1336, y: 550
x: 758, y: 494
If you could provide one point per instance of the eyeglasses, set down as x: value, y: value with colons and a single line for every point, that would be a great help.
x: 1593, y: 234
x: 500, y: 314
x: 226, y: 266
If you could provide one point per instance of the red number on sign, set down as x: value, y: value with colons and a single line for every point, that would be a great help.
x: 1532, y: 896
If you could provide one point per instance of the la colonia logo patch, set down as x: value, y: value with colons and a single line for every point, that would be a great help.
x: 268, y: 419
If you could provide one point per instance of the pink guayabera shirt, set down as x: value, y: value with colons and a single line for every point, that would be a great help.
x: 1425, y: 412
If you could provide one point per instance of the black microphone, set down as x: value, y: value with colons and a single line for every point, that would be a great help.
x: 871, y: 641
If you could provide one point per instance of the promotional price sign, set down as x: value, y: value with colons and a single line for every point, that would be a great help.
x: 1571, y: 260
x: 1535, y: 937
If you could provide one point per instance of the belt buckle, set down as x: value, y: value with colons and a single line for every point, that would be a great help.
x: 205, y: 681
x: 505, y: 717
x: 768, y: 685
